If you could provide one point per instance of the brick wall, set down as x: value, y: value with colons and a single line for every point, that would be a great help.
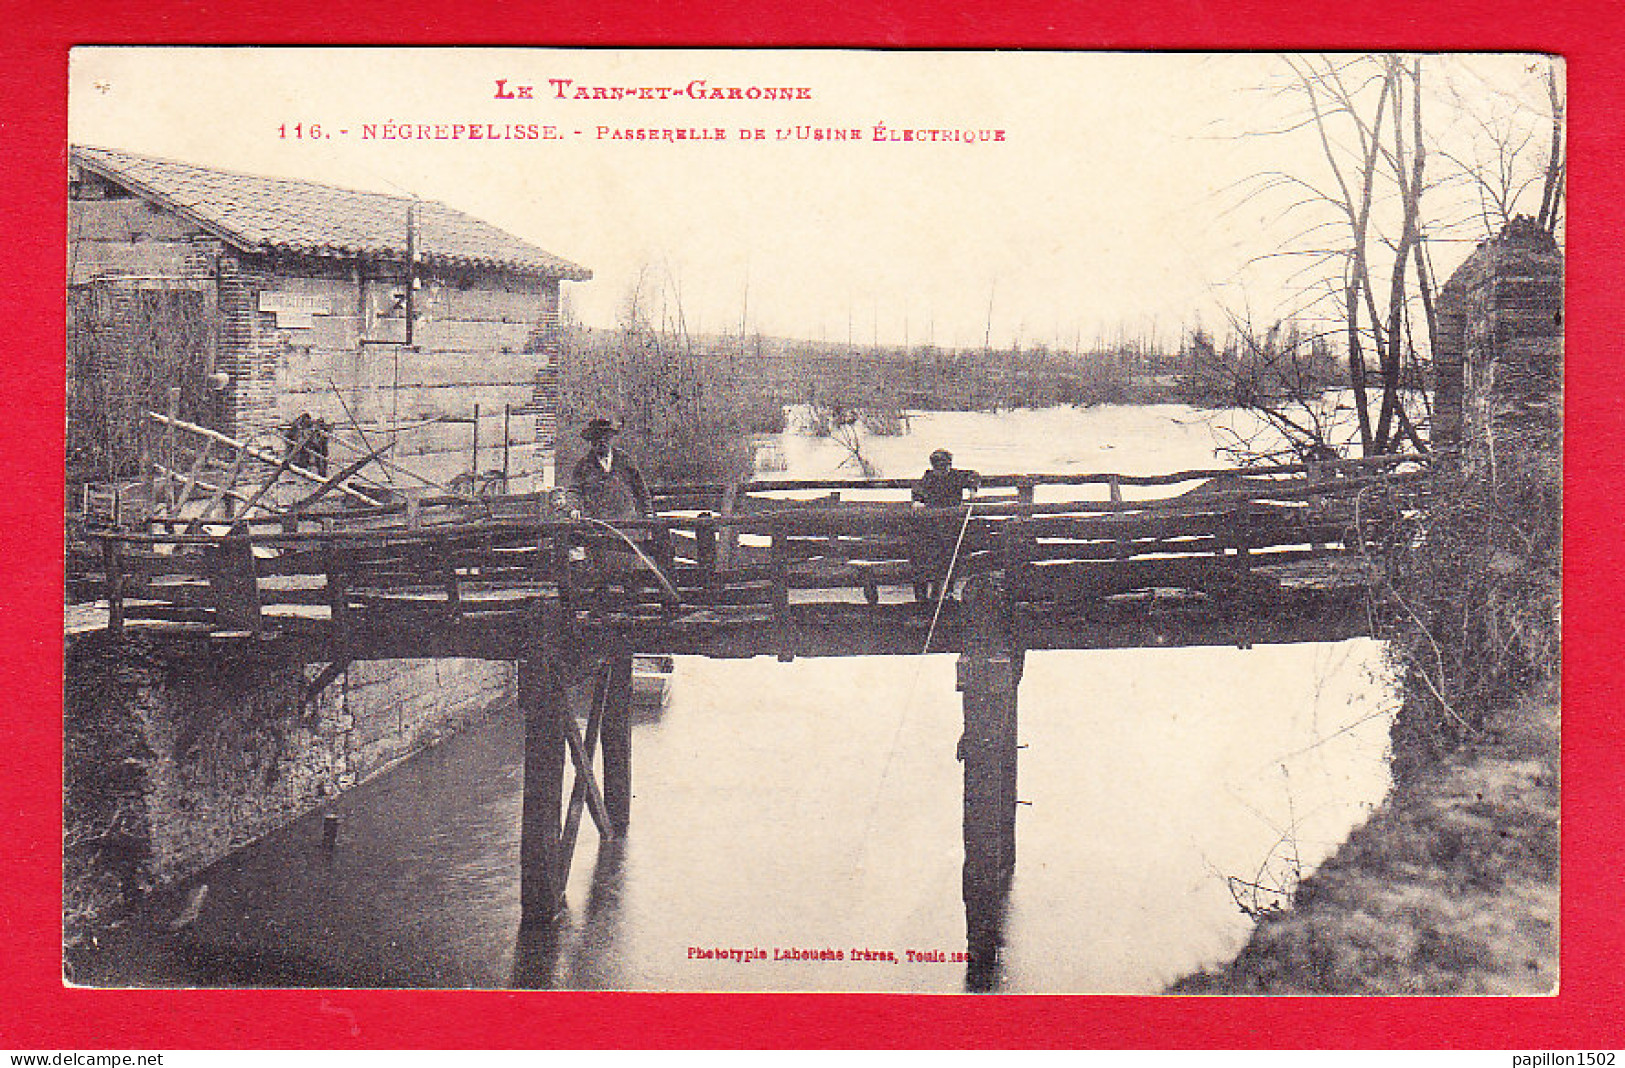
x: 249, y: 347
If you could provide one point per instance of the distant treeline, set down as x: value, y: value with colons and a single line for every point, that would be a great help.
x: 695, y: 394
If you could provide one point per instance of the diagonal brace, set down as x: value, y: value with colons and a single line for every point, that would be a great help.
x: 323, y: 679
x: 581, y: 754
x: 578, y: 791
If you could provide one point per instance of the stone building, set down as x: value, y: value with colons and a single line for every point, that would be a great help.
x: 262, y: 299
x: 257, y: 300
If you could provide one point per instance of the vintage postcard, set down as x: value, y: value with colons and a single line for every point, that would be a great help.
x: 818, y: 520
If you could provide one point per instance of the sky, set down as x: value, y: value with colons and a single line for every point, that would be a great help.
x: 1106, y: 197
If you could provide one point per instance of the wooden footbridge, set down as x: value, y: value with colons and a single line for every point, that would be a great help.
x: 780, y: 568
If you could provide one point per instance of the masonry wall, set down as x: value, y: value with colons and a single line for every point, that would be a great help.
x: 482, y: 342
x: 1499, y: 352
x: 177, y: 755
x: 142, y: 318
x: 113, y: 234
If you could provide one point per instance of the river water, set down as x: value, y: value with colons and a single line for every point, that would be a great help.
x: 813, y: 807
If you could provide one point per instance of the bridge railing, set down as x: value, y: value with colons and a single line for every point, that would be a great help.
x: 742, y: 562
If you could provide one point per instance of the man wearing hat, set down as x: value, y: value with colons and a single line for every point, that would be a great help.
x: 606, y: 484
x: 942, y: 486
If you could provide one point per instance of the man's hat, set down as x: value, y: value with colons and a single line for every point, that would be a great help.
x: 942, y: 454
x: 598, y: 429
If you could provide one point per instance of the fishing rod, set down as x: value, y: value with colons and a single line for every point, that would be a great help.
x: 660, y: 575
x: 947, y: 579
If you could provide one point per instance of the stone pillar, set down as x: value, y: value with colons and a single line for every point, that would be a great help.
x: 1499, y: 353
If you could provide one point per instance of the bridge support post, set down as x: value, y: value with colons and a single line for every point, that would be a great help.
x: 542, y: 700
x: 989, y: 674
x: 617, y: 742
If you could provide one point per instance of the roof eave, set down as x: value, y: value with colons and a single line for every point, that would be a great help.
x: 243, y: 243
x: 111, y: 174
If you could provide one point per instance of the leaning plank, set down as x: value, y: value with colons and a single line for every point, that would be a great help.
x: 190, y: 482
x: 220, y: 494
x: 337, y: 481
x: 323, y: 679
x: 263, y: 455
x: 249, y: 502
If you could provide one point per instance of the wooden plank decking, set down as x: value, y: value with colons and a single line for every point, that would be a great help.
x: 775, y: 568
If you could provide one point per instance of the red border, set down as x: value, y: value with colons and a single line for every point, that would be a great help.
x: 37, y: 1012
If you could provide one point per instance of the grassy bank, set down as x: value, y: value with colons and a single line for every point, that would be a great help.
x: 1450, y: 888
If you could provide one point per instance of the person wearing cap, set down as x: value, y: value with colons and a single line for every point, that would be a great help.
x: 605, y: 483
x: 942, y: 486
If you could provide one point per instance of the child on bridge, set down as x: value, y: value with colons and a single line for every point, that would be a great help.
x: 942, y: 486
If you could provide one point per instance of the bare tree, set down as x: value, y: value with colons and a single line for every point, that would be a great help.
x: 1496, y: 157
x: 680, y: 418
x: 1283, y: 375
x: 1371, y: 217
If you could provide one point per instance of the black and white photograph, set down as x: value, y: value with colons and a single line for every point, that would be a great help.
x: 863, y: 521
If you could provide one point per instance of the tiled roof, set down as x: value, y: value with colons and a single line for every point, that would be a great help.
x: 258, y: 214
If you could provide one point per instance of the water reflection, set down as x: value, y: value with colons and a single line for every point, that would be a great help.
x: 802, y: 810
x: 577, y: 951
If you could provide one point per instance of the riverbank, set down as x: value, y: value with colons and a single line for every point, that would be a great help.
x: 1450, y: 888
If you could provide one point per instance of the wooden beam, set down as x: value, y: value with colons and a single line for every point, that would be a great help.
x: 581, y: 759
x: 618, y: 743
x: 191, y: 480
x: 220, y: 495
x: 236, y: 588
x: 578, y: 789
x: 322, y: 681
x: 541, y: 699
x: 989, y: 673
x: 263, y: 455
x: 337, y: 481
x: 114, y: 567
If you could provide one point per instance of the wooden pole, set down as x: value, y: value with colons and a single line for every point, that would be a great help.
x: 705, y: 558
x: 1008, y: 796
x: 338, y: 596
x: 476, y: 460
x: 778, y: 569
x: 411, y: 277
x: 174, y: 410
x: 507, y: 416
x: 1240, y: 604
x: 541, y: 699
x: 114, y: 565
x: 989, y: 672
x: 728, y: 546
x: 617, y: 743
